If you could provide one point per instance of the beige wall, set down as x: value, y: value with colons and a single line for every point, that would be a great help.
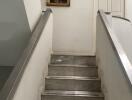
x: 33, y: 10
x: 32, y: 81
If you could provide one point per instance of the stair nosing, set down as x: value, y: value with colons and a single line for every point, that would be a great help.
x: 73, y: 55
x: 73, y: 93
x: 72, y: 77
x: 73, y: 65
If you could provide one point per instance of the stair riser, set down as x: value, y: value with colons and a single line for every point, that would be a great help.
x: 70, y: 98
x: 73, y: 71
x: 69, y: 84
x: 73, y: 60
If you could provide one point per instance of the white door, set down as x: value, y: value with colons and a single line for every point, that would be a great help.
x: 114, y: 6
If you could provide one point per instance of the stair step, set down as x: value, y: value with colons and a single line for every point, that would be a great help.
x: 67, y: 59
x: 72, y: 83
x: 72, y: 70
x: 72, y: 77
x: 73, y: 65
x: 71, y: 95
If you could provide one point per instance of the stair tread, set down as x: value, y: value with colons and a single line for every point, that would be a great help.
x: 73, y: 93
x: 73, y: 77
x: 71, y: 65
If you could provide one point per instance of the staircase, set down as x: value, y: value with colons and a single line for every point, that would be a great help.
x: 72, y: 78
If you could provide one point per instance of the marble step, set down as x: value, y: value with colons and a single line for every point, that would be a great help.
x: 73, y: 83
x: 80, y: 60
x: 71, y: 95
x: 72, y: 70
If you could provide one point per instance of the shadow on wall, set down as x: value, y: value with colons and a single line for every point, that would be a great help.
x: 14, y: 31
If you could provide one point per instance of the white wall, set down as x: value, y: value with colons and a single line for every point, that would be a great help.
x: 128, y: 9
x: 123, y: 31
x: 73, y: 28
x: 43, y: 4
x: 33, y: 10
x: 115, y: 83
x: 32, y: 81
